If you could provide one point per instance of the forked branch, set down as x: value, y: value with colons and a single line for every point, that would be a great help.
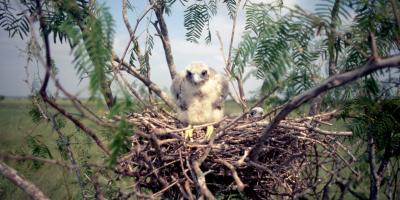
x: 330, y: 83
x: 43, y: 93
x: 162, y: 30
x: 150, y: 84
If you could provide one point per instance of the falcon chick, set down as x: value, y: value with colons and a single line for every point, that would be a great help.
x: 256, y: 112
x: 199, y: 92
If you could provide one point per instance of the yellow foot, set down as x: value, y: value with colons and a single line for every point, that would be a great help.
x: 210, y: 131
x: 188, y: 134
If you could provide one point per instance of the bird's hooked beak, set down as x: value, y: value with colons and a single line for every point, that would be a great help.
x: 196, y: 79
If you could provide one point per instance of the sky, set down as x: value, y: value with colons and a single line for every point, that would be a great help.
x: 14, y: 70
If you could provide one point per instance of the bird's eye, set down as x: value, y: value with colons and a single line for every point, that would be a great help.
x: 204, y: 73
x: 188, y: 74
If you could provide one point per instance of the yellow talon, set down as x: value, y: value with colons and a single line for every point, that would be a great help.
x: 210, y: 131
x: 188, y: 134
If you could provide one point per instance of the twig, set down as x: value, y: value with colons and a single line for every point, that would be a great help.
x: 201, y: 180
x: 183, y: 168
x: 155, y: 88
x: 161, y: 132
x: 163, y: 32
x: 239, y: 183
x: 325, y: 132
x: 48, y: 161
x: 188, y: 190
x: 98, y: 193
x: 229, y: 61
x: 228, y: 73
x: 79, y: 105
x: 157, y: 194
x: 69, y: 152
x: 260, y: 101
x: 131, y: 32
x: 374, y: 48
x: 29, y: 188
x: 181, y: 188
x: 33, y: 158
x: 43, y: 88
x: 330, y: 83
x: 241, y: 161
x: 117, y: 74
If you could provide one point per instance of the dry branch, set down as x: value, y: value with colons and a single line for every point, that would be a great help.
x: 235, y: 176
x: 222, y: 165
x: 43, y: 88
x: 228, y: 67
x: 330, y: 83
x: 151, y: 85
x: 163, y: 32
x: 33, y: 158
x: 28, y: 187
x: 98, y: 193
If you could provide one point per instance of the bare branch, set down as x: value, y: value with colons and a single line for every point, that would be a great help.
x: 33, y: 158
x: 201, y: 180
x: 163, y: 31
x: 229, y: 61
x: 131, y: 32
x: 325, y: 132
x: 99, y: 194
x: 374, y: 48
x: 239, y: 183
x: 147, y: 82
x: 227, y: 72
x: 28, y: 187
x: 78, y: 123
x: 222, y: 130
x: 228, y: 66
x: 43, y: 92
x: 330, y: 83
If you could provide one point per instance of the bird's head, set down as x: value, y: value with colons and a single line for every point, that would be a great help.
x: 198, y: 73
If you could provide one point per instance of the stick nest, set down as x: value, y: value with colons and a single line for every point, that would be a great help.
x: 162, y: 161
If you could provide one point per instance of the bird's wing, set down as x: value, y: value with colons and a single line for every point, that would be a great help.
x: 176, y: 87
x: 224, y: 87
x: 223, y: 82
x: 176, y: 90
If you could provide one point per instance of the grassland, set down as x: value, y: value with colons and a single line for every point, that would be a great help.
x: 17, y: 127
x: 16, y: 130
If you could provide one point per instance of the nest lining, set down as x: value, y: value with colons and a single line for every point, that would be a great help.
x: 161, y: 160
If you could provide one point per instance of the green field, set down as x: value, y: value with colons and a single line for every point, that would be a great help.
x: 17, y: 129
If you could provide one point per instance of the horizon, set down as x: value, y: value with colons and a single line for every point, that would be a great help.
x: 13, y: 79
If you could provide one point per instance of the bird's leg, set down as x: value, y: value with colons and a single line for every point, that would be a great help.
x: 209, y: 132
x: 188, y: 134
